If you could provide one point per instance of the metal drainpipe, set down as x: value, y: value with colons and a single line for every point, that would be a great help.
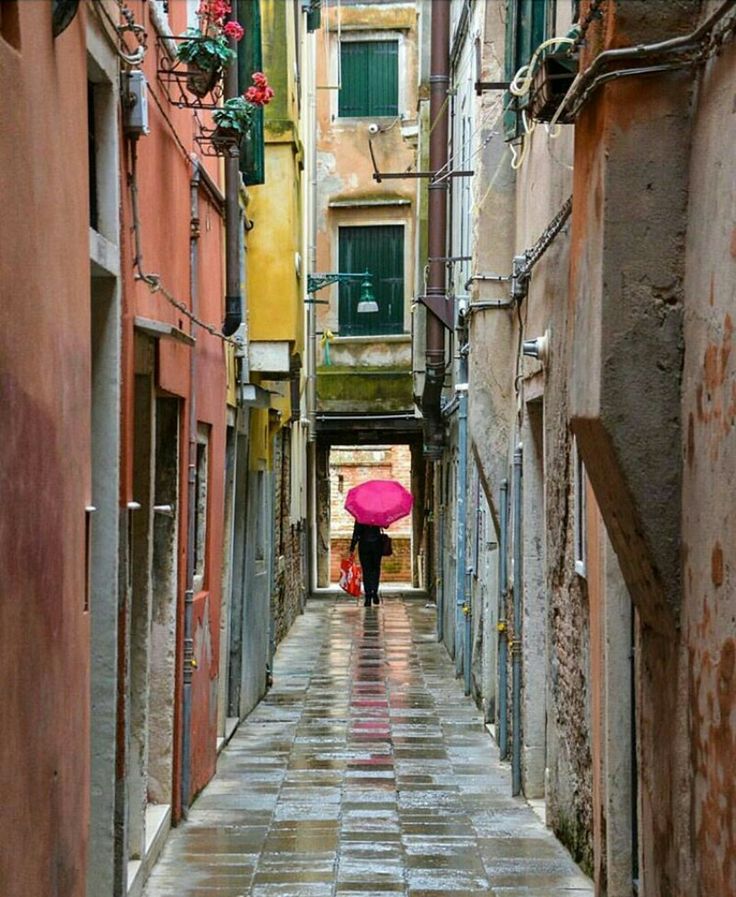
x: 186, y: 713
x: 503, y: 673
x: 439, y: 81
x: 233, y: 297
x: 462, y: 610
x: 518, y: 628
x: 311, y: 307
x: 440, y: 578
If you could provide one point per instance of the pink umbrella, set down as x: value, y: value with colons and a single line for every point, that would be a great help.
x: 378, y: 502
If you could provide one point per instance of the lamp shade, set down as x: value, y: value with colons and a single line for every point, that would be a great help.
x: 367, y: 302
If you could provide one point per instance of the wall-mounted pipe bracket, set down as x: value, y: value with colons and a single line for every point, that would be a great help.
x: 442, y: 307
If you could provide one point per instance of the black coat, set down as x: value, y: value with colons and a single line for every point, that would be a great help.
x: 368, y: 536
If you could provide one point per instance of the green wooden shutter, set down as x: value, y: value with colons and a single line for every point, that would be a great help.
x: 384, y: 78
x: 528, y: 24
x: 353, y: 96
x: 379, y: 250
x: 369, y: 78
x: 250, y: 59
x: 314, y: 15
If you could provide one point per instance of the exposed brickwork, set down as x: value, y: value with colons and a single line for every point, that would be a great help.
x: 348, y: 468
x: 288, y: 591
x: 570, y: 777
x: 396, y: 568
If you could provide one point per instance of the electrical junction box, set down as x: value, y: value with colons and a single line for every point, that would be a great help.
x: 135, y: 104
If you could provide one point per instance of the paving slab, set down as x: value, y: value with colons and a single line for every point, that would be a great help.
x: 364, y: 771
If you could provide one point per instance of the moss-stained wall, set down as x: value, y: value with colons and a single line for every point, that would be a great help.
x: 363, y: 389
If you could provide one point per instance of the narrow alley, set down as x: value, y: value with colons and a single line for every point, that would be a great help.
x: 368, y: 389
x: 364, y: 771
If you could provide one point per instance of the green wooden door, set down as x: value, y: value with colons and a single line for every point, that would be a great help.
x: 380, y: 250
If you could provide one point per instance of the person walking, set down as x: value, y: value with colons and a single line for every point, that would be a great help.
x: 370, y: 546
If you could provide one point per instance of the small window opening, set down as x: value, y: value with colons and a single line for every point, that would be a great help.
x: 200, y: 513
x: 94, y: 208
x: 10, y: 22
x: 579, y: 486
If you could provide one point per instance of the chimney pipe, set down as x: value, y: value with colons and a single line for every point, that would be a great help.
x: 439, y: 83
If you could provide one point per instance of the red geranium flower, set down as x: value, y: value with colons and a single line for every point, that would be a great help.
x: 234, y: 30
x: 260, y: 94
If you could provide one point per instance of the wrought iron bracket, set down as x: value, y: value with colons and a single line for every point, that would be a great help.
x: 316, y: 282
x: 173, y: 76
x: 442, y: 307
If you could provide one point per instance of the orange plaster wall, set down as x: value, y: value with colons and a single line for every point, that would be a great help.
x: 164, y: 174
x: 44, y: 459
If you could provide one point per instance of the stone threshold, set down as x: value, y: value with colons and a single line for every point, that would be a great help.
x: 538, y: 805
x: 231, y: 724
x: 158, y: 825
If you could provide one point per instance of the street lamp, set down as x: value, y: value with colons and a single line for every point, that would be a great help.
x: 367, y: 302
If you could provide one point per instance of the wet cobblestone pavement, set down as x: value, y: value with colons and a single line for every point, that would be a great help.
x: 365, y: 771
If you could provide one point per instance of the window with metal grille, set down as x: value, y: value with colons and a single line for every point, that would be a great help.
x: 378, y: 249
x: 369, y: 73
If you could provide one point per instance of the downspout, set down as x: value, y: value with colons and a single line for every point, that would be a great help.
x: 311, y: 323
x: 186, y: 725
x: 518, y: 627
x: 439, y: 81
x: 462, y: 609
x: 440, y: 577
x: 503, y: 633
x: 233, y: 297
x: 311, y: 307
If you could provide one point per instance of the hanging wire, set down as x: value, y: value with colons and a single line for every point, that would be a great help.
x: 170, y: 124
x: 445, y: 171
x: 153, y: 281
x: 536, y: 251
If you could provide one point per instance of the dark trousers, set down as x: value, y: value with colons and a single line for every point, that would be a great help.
x: 370, y: 561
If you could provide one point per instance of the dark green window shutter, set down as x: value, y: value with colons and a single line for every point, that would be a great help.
x: 369, y: 78
x: 379, y: 250
x: 528, y: 24
x: 314, y: 15
x: 250, y: 59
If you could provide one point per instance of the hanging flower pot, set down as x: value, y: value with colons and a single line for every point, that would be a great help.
x: 205, y: 50
x: 200, y: 81
x: 226, y: 141
x: 234, y: 119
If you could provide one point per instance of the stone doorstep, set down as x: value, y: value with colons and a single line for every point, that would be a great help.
x: 158, y: 825
x: 231, y: 724
x: 389, y: 589
x: 538, y: 805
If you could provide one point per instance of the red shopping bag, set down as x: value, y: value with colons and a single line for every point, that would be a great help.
x: 351, y: 576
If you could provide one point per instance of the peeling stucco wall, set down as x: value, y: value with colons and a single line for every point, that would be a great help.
x: 707, y: 691
x: 347, y: 194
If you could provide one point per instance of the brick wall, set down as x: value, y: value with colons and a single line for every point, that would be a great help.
x: 348, y: 468
x: 288, y: 589
x: 396, y: 568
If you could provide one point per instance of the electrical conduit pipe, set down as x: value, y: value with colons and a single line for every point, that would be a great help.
x: 503, y: 674
x: 518, y: 628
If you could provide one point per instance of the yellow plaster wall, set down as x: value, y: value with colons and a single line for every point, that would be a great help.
x: 274, y: 301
